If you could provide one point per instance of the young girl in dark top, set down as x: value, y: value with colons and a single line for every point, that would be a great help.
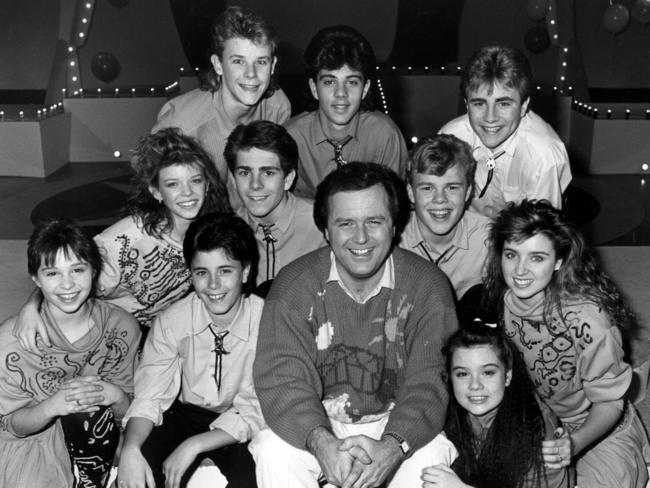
x: 494, y: 419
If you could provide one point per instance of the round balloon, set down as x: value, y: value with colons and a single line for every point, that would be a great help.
x: 119, y: 3
x: 536, y: 9
x: 536, y: 39
x: 105, y: 67
x: 641, y: 11
x: 615, y: 18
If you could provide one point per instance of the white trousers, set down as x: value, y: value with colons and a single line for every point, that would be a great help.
x: 280, y: 465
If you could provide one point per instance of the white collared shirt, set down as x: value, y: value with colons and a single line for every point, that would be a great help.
x: 535, y: 163
x: 387, y: 279
x: 178, y: 359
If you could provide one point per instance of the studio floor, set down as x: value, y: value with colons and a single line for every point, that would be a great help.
x: 613, y: 211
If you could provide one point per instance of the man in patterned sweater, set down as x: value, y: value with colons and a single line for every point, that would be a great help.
x: 348, y: 368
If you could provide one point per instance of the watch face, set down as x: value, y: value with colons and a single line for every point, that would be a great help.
x: 405, y: 447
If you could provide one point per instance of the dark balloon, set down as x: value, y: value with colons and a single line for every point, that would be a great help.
x: 537, y: 39
x: 641, y: 11
x: 616, y: 18
x: 536, y: 9
x: 105, y: 67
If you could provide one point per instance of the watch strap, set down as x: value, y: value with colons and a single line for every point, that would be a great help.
x: 403, y: 444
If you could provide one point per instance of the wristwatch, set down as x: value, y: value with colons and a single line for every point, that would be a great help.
x: 403, y: 445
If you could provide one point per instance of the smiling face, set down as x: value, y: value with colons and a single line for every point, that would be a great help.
x: 439, y: 202
x: 245, y: 69
x: 339, y: 93
x: 479, y: 379
x: 181, y: 188
x: 66, y: 283
x: 218, y: 281
x: 495, y: 112
x: 528, y: 266
x: 360, y: 232
x: 261, y: 183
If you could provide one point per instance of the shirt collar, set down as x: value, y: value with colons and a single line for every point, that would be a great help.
x: 508, y: 146
x: 387, y: 278
x: 58, y: 339
x: 460, y: 239
x: 240, y: 327
x: 220, y: 111
x: 285, y: 220
x: 318, y: 134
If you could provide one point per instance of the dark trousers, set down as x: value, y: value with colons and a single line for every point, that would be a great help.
x: 91, y: 439
x: 182, y: 421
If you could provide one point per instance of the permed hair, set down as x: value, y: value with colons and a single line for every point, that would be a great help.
x: 62, y: 234
x: 434, y: 155
x: 358, y: 176
x: 497, y: 64
x: 159, y: 150
x: 266, y: 136
x: 336, y: 46
x: 511, y: 454
x: 238, y: 22
x: 579, y: 276
x: 223, y: 231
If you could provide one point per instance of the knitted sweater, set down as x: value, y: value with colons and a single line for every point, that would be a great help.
x: 318, y: 345
x: 575, y: 360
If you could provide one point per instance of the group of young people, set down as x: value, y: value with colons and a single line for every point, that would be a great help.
x: 297, y: 342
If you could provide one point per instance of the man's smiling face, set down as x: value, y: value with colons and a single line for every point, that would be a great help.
x: 360, y: 232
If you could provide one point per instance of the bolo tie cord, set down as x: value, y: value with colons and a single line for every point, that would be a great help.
x: 270, y: 246
x: 219, y: 351
x: 434, y: 261
x: 491, y: 163
x: 338, y: 150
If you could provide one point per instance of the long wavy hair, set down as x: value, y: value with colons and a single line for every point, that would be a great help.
x: 156, y: 151
x: 579, y: 277
x: 511, y: 454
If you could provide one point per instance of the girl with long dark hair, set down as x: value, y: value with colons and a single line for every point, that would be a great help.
x: 494, y: 418
x: 566, y: 317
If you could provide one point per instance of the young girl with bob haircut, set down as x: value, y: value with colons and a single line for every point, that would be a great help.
x: 143, y: 267
x: 58, y: 407
x: 494, y: 419
x: 566, y: 317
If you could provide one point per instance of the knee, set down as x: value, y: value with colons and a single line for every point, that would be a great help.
x: 267, y: 447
